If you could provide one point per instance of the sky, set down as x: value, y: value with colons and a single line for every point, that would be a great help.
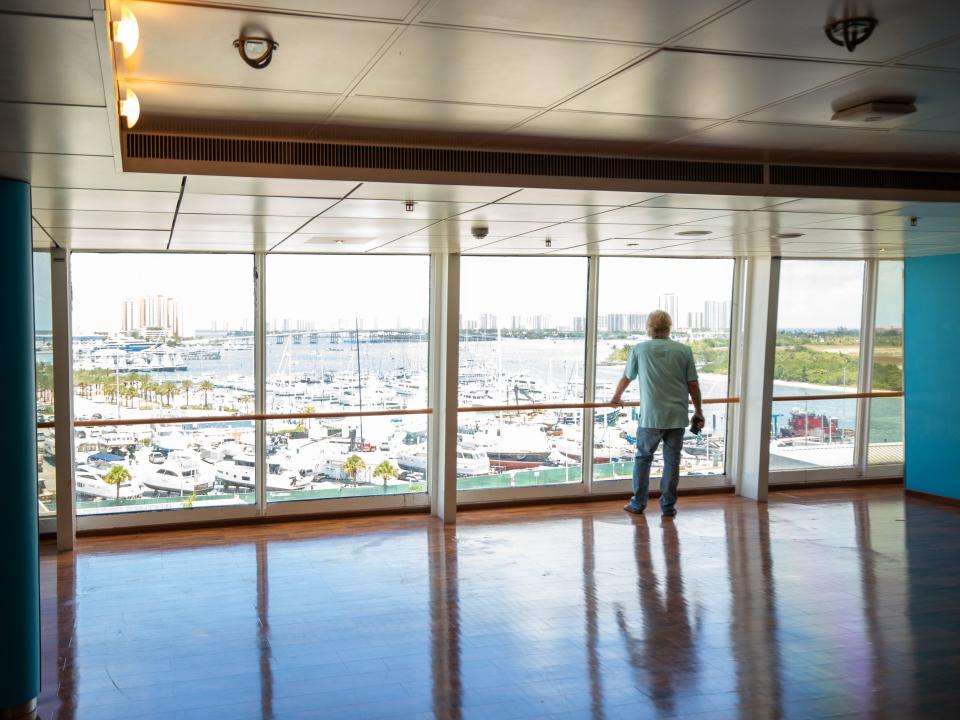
x: 327, y: 289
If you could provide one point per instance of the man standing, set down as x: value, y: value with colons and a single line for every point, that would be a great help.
x: 666, y: 375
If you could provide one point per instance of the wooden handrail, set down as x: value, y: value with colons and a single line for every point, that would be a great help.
x: 573, y: 406
x: 838, y: 396
x: 233, y: 418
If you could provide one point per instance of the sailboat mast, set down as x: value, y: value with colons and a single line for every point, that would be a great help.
x: 359, y: 378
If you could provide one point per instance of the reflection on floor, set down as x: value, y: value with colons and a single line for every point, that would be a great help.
x: 838, y: 603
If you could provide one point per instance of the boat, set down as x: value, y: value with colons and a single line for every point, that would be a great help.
x: 179, y: 475
x: 812, y: 427
x: 515, y: 447
x: 470, y: 461
x: 240, y: 474
x: 118, y: 442
x: 90, y: 485
x: 170, y: 439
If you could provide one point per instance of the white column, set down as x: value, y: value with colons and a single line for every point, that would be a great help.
x: 590, y: 370
x: 443, y: 374
x: 63, y: 397
x: 259, y: 378
x: 757, y: 358
x: 868, y: 324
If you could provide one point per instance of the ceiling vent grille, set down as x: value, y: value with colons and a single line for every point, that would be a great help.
x: 849, y: 177
x: 301, y: 153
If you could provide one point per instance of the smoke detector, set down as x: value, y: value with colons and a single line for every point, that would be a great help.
x: 875, y: 111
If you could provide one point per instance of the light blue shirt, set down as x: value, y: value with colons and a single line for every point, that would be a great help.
x: 662, y: 367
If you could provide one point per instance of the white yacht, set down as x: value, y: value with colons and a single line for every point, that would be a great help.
x: 91, y: 485
x: 179, y: 475
x: 470, y: 461
x: 240, y: 474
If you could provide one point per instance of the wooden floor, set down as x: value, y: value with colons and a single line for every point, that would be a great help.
x: 826, y: 603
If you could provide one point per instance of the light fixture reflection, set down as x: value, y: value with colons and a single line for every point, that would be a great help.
x: 126, y: 31
x: 130, y: 108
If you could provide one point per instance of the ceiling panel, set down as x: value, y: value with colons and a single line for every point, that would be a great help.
x: 312, y: 242
x: 58, y: 129
x: 928, y: 210
x: 611, y: 126
x: 428, y: 114
x: 839, y: 206
x: 281, y: 187
x: 714, y: 202
x: 780, y: 141
x: 383, y: 9
x: 655, y: 216
x: 66, y: 129
x: 432, y: 243
x: 121, y: 200
x: 787, y: 27
x: 79, y: 171
x: 547, y: 196
x: 946, y: 55
x: 590, y: 232
x: 83, y: 239
x: 499, y: 212
x: 235, y: 103
x: 372, y: 229
x: 315, y: 54
x: 434, y: 193
x: 650, y: 21
x: 62, y: 8
x: 422, y: 210
x: 932, y: 91
x: 104, y: 219
x: 714, y: 86
x: 495, y: 230
x: 54, y: 60
x: 531, y: 242
x: 207, y: 240
x: 253, y: 205
x: 489, y: 68
x: 240, y: 223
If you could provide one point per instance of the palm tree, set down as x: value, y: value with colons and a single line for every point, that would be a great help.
x: 129, y: 393
x: 168, y: 389
x: 186, y: 385
x: 118, y: 474
x: 385, y: 470
x: 353, y: 466
x: 207, y: 387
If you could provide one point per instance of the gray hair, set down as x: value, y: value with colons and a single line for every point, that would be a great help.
x: 659, y: 323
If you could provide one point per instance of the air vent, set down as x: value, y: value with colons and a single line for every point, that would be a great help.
x: 301, y: 153
x: 813, y: 176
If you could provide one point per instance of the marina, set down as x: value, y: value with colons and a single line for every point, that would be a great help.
x: 198, y: 463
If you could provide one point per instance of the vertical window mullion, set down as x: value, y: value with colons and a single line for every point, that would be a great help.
x: 590, y: 370
x: 259, y: 374
x: 865, y: 375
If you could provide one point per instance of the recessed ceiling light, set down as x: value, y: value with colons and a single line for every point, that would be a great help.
x: 339, y: 241
x: 633, y: 244
x: 786, y: 236
x: 883, y: 249
x: 694, y: 233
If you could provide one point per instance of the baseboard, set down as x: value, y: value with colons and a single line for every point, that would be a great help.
x: 820, y: 484
x: 930, y: 497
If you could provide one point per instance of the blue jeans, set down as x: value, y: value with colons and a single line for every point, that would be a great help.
x: 648, y: 439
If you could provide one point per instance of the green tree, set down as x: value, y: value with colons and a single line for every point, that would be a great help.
x: 167, y: 389
x: 117, y: 475
x: 187, y: 385
x: 353, y: 466
x: 207, y: 387
x: 385, y: 470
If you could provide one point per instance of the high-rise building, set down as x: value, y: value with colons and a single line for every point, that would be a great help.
x: 159, y: 314
x: 488, y: 321
x: 695, y: 320
x: 579, y: 323
x: 616, y: 322
x: 716, y: 314
x: 670, y: 303
x: 637, y: 321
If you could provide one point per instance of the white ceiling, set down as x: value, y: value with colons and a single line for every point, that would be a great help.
x: 749, y: 79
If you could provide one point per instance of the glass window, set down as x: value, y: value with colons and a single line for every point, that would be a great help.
x: 521, y: 343
x: 697, y: 294
x: 817, y: 353
x: 346, y: 334
x: 43, y: 348
x: 886, y: 414
x: 160, y: 336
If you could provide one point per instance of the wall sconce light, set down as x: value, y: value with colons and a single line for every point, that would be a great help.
x: 126, y: 31
x: 130, y: 108
x: 257, y: 52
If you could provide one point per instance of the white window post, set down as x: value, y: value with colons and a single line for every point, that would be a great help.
x: 443, y: 384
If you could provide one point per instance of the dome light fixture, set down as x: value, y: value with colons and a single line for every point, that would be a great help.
x: 130, y: 108
x: 850, y: 32
x: 257, y: 52
x: 126, y: 31
x: 694, y: 233
x: 786, y: 235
